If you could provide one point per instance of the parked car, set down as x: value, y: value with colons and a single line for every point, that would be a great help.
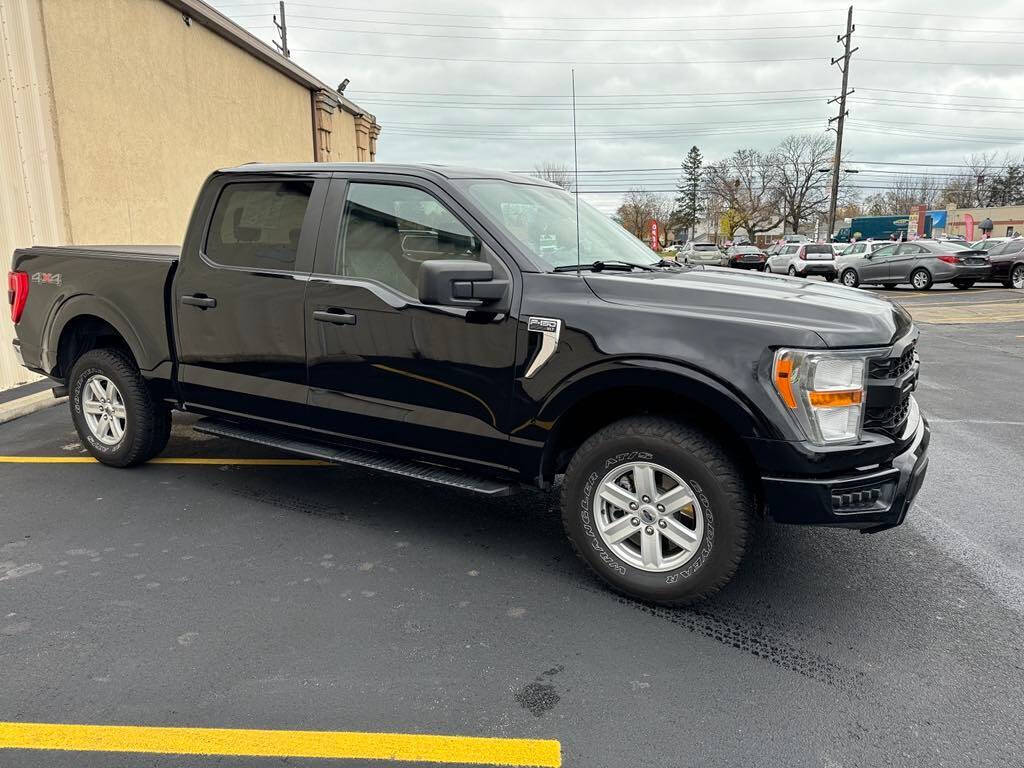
x: 804, y: 259
x: 921, y: 263
x: 989, y: 243
x: 795, y: 238
x: 1007, y: 263
x: 854, y: 259
x: 465, y: 328
x: 745, y: 257
x: 708, y: 254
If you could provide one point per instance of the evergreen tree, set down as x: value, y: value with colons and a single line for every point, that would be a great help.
x: 690, y: 202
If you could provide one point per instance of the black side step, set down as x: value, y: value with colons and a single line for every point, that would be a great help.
x: 415, y: 470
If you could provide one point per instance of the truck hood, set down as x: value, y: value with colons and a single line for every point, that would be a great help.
x: 842, y: 317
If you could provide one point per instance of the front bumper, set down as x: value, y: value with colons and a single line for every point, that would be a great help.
x: 872, y: 500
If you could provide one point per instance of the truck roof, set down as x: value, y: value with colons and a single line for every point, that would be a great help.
x: 407, y: 169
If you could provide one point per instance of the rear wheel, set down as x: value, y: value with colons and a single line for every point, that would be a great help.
x: 657, y: 509
x: 889, y: 286
x: 117, y: 418
x: 850, y: 279
x: 921, y: 279
x: 830, y: 278
x: 963, y: 285
x: 792, y: 271
x: 1016, y: 277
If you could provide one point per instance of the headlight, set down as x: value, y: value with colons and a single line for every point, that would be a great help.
x: 824, y: 391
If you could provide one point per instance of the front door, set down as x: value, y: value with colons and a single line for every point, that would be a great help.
x: 385, y: 369
x: 238, y: 296
x: 875, y: 265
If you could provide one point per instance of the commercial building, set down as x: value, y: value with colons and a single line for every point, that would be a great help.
x: 112, y: 112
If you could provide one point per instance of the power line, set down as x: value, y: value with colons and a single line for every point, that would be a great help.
x: 557, y: 18
x: 505, y: 28
x: 647, y: 63
x: 563, y: 61
x: 973, y: 17
x: 592, y: 96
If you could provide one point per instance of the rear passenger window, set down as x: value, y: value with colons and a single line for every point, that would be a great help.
x: 257, y: 224
x: 388, y: 231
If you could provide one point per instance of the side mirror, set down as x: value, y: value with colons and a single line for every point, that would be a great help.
x: 462, y: 283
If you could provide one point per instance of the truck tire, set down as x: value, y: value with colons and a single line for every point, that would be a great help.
x: 657, y: 509
x: 116, y: 416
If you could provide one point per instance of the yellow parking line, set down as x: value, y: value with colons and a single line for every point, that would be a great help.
x: 215, y: 462
x: 337, y: 745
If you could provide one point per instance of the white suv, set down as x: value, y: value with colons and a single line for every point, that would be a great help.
x: 803, y: 259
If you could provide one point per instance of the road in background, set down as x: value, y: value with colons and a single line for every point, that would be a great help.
x: 313, y: 597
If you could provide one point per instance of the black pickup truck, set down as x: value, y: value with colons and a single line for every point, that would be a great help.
x: 469, y: 328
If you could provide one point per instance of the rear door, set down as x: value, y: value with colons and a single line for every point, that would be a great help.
x: 384, y: 368
x: 905, y: 260
x: 238, y: 295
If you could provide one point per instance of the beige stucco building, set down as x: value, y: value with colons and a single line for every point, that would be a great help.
x: 112, y: 112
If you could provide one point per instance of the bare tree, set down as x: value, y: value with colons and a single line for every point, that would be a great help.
x: 640, y: 206
x: 803, y: 193
x: 903, y: 193
x: 556, y: 173
x: 746, y: 184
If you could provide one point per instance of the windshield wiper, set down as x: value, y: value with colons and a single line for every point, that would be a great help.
x: 598, y: 266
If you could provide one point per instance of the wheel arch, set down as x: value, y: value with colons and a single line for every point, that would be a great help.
x: 86, y: 322
x: 597, y: 398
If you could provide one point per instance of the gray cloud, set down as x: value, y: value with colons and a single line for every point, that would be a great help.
x: 758, y: 101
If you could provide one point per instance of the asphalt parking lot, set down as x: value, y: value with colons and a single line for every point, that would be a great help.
x: 224, y: 587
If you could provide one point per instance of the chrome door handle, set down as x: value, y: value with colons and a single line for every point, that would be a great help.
x: 338, y: 318
x: 203, y: 302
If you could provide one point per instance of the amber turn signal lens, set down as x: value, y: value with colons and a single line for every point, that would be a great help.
x: 838, y: 399
x: 784, y: 381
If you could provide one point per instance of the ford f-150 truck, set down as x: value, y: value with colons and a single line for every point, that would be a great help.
x: 471, y: 328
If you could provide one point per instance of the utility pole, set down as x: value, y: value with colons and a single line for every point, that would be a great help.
x: 839, y: 119
x: 282, y: 29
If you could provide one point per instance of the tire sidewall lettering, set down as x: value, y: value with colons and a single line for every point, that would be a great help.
x: 76, y: 405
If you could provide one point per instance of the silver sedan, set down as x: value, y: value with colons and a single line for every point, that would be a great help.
x: 921, y: 263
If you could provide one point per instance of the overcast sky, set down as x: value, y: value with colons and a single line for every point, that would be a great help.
x: 486, y: 83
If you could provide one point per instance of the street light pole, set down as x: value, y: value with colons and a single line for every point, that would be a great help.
x: 840, y: 119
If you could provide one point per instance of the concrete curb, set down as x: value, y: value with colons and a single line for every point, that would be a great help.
x: 23, y: 406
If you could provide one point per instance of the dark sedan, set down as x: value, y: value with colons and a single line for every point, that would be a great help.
x: 1007, y: 260
x: 745, y: 257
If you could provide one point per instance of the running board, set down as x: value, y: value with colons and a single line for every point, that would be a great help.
x: 416, y: 470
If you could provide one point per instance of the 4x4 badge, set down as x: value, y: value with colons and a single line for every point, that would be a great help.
x: 550, y: 330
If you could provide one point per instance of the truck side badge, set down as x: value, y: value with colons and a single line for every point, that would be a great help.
x: 550, y: 330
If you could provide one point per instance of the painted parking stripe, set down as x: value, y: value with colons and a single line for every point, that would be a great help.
x: 336, y: 745
x: 170, y: 460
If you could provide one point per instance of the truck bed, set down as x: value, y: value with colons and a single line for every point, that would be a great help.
x: 122, y: 285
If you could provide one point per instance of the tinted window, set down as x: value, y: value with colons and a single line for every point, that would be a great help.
x: 388, y: 231
x: 910, y: 248
x: 818, y: 248
x: 257, y: 224
x: 1014, y: 246
x: 705, y: 247
x: 886, y: 250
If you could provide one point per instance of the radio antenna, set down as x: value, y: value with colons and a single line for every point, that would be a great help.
x: 576, y: 172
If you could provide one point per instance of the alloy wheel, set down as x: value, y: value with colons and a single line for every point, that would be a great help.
x: 104, y: 410
x: 1017, y: 276
x: 648, y: 517
x: 850, y: 278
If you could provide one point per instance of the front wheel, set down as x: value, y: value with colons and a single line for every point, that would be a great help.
x: 657, y: 509
x: 117, y: 418
x: 850, y: 279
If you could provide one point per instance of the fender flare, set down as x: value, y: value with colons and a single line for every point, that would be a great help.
x: 96, y: 306
x: 723, y: 400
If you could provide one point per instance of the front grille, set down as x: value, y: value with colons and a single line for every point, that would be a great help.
x: 888, y: 397
x: 892, y: 367
x: 890, y: 419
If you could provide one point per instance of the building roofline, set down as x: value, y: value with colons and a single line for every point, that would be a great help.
x: 237, y: 35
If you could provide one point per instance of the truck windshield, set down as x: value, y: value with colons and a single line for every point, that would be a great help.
x: 542, y: 220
